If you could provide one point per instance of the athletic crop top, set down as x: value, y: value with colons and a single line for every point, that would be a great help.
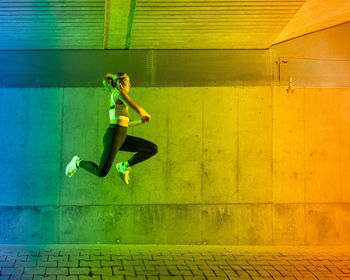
x: 117, y: 111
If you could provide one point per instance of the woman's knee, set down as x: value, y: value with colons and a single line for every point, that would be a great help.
x: 153, y: 149
x: 102, y: 173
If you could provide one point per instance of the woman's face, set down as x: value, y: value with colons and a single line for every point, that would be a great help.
x: 127, y: 84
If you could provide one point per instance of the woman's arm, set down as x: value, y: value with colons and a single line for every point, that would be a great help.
x: 135, y: 123
x: 125, y: 97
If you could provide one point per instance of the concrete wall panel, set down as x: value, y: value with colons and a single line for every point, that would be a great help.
x: 31, y: 121
x: 168, y: 224
x: 288, y: 146
x: 344, y: 147
x: 220, y: 224
x: 289, y: 224
x: 255, y: 224
x: 322, y: 146
x: 22, y: 225
x: 254, y: 144
x: 220, y: 144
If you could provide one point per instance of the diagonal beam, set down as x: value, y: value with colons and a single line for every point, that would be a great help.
x: 133, y: 4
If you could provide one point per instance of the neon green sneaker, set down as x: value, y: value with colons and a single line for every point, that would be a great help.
x: 72, y: 166
x: 123, y: 172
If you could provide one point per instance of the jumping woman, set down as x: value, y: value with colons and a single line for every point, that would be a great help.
x: 115, y: 138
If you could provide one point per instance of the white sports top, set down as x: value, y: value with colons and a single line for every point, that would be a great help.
x: 117, y: 111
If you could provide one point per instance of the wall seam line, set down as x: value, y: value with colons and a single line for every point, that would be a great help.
x: 304, y: 169
x: 60, y: 176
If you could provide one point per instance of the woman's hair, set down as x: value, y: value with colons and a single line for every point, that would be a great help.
x: 116, y: 80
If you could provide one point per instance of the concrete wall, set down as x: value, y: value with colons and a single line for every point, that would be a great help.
x: 236, y: 165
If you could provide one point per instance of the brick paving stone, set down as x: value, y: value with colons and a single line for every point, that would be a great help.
x: 58, y: 258
x: 182, y: 267
x: 105, y: 257
x: 47, y: 264
x: 140, y: 277
x: 187, y: 277
x: 172, y: 262
x: 117, y: 257
x: 151, y: 277
x: 35, y: 270
x: 242, y: 273
x: 151, y: 267
x: 156, y: 262
x: 163, y: 272
x: 208, y: 273
x: 108, y: 277
x: 78, y: 258
x: 239, y: 277
x: 132, y: 262
x: 192, y: 267
x: 96, y: 263
x: 21, y: 277
x: 123, y: 272
x: 10, y: 263
x: 10, y: 258
x: 171, y: 277
x: 37, y: 258
x: 263, y: 273
x: 180, y: 272
x: 111, y: 263
x: 13, y: 270
x: 148, y: 272
x: 139, y: 267
x: 70, y: 277
x: 87, y: 277
x: 101, y: 271
x: 25, y: 264
x: 253, y: 272
x: 57, y: 271
x: 38, y: 277
x: 127, y: 267
x: 230, y: 273
x: 79, y: 270
x: 274, y: 273
x: 68, y: 263
x: 247, y: 267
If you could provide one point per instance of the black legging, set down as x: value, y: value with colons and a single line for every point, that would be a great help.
x: 115, y: 139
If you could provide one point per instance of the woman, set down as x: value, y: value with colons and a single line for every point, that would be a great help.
x: 115, y: 138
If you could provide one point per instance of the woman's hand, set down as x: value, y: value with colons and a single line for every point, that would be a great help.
x: 145, y: 117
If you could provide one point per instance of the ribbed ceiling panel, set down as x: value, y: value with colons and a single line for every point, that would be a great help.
x: 211, y: 24
x: 51, y: 24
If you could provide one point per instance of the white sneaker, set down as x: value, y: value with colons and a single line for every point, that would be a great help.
x: 123, y: 172
x: 72, y: 166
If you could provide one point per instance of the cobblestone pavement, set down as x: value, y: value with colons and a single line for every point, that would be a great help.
x: 153, y: 262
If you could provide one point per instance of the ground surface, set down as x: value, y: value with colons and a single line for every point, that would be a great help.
x: 158, y: 262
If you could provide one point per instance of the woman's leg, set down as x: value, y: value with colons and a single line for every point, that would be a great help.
x: 113, y: 139
x: 144, y: 149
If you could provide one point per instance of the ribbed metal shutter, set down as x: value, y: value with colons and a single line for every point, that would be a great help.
x: 51, y: 24
x: 209, y: 24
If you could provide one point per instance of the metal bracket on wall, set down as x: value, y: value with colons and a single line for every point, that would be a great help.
x: 290, y: 86
x: 279, y: 62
